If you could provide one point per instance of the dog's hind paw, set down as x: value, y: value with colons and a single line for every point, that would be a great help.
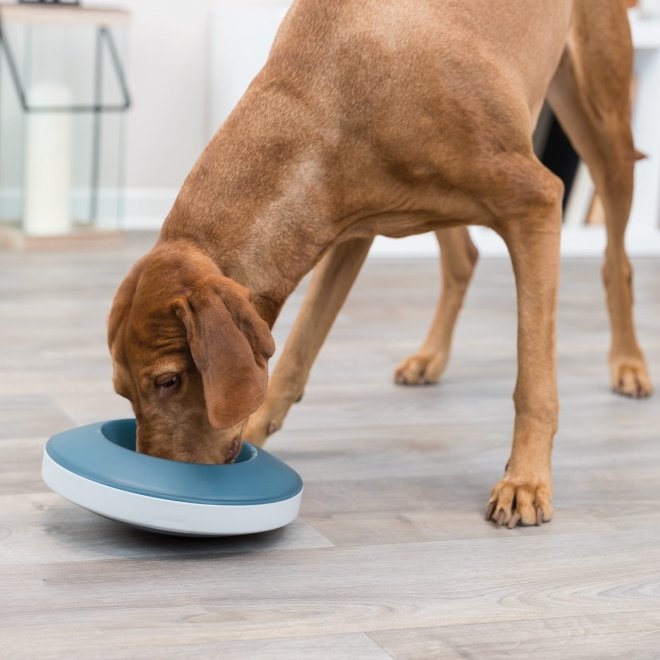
x: 513, y: 503
x: 420, y: 369
x: 630, y: 377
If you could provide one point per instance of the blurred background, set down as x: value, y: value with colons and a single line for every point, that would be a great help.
x: 149, y: 83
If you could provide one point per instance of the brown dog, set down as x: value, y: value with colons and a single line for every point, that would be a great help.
x: 385, y: 117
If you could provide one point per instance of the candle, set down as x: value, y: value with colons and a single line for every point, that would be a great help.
x: 48, y: 163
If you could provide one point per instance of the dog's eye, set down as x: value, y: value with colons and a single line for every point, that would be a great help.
x: 168, y: 384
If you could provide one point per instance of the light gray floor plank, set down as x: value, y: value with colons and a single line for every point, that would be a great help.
x: 43, y: 527
x: 390, y: 557
x: 151, y: 645
x: 583, y: 637
x: 294, y: 593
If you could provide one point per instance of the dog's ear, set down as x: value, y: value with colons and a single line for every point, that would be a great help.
x: 230, y: 344
x: 123, y: 300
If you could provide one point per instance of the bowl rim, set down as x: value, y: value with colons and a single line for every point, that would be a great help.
x: 87, y: 452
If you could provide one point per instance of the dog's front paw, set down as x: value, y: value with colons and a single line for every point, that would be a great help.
x: 630, y: 377
x: 519, y: 501
x: 260, y: 426
x: 420, y: 369
x: 268, y: 418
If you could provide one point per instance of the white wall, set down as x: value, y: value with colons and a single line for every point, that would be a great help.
x: 167, y: 78
x: 175, y: 108
x: 165, y: 125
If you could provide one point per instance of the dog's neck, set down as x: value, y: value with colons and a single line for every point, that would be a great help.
x: 248, y: 200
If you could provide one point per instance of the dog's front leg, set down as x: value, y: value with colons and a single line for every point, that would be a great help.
x: 524, y: 495
x: 331, y: 282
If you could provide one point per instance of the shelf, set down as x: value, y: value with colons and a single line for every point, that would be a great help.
x: 94, y: 16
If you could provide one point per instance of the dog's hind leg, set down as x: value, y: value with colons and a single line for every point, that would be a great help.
x: 590, y: 97
x: 458, y: 257
x: 332, y: 280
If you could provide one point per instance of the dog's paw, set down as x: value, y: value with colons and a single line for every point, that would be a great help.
x: 260, y: 426
x: 518, y: 502
x: 630, y: 377
x: 420, y: 369
x: 268, y: 418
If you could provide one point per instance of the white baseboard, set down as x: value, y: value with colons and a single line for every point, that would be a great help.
x: 142, y: 208
x: 579, y: 241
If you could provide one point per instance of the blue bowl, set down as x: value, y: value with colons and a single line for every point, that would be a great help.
x: 97, y: 467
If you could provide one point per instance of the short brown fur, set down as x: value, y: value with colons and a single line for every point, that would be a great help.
x: 381, y: 117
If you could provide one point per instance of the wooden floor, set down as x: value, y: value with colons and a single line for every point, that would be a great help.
x: 390, y: 557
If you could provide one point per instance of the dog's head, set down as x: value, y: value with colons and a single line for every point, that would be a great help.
x: 190, y: 352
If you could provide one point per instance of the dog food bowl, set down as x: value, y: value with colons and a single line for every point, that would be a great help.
x: 97, y: 467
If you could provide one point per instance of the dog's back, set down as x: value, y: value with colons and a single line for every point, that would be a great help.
x: 421, y: 45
